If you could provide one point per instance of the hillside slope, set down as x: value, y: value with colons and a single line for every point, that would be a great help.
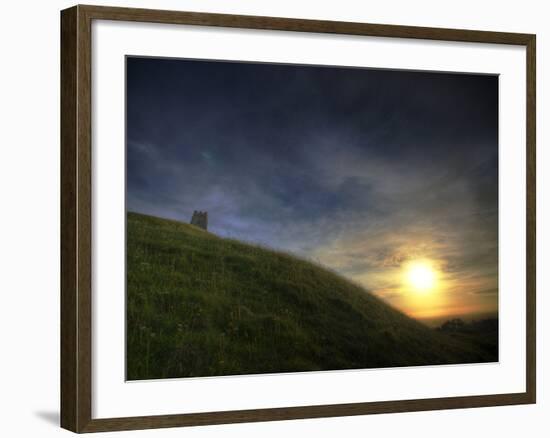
x: 201, y: 305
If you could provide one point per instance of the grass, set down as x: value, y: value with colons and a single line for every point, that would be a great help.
x: 201, y: 305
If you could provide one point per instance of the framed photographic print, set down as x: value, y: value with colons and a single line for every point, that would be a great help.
x: 270, y: 218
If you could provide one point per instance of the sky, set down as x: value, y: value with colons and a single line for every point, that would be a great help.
x: 366, y: 172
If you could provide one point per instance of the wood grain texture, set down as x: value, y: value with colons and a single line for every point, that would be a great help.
x: 531, y: 341
x: 69, y: 374
x: 84, y: 218
x: 299, y: 25
x: 76, y: 219
x: 338, y: 410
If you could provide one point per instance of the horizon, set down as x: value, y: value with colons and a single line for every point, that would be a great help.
x: 431, y: 321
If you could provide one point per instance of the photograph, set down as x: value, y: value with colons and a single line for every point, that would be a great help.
x: 285, y: 218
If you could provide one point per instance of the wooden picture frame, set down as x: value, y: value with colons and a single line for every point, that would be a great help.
x: 76, y: 218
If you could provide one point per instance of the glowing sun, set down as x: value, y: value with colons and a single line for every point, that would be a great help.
x: 421, y: 276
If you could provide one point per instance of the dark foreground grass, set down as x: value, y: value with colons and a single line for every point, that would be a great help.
x: 200, y: 305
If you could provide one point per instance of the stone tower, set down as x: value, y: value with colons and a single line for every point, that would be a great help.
x: 200, y: 219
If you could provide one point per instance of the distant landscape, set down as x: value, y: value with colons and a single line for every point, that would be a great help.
x: 202, y: 305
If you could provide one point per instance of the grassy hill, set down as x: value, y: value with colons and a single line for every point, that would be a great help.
x: 201, y: 305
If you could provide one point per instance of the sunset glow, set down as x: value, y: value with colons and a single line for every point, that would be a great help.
x: 421, y: 276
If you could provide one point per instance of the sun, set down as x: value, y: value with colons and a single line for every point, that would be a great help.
x: 421, y: 276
